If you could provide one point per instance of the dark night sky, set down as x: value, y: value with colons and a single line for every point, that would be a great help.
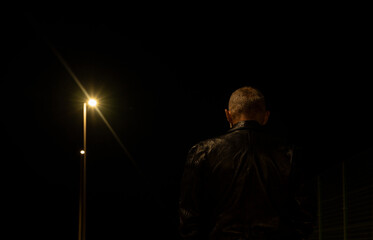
x: 163, y: 81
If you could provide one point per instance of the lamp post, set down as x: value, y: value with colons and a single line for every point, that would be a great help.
x: 83, y: 176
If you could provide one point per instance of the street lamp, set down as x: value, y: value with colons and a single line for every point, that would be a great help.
x: 83, y: 187
x: 92, y: 102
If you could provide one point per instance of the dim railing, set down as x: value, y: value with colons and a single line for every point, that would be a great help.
x: 345, y: 200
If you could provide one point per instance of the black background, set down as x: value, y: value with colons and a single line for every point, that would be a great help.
x: 163, y: 79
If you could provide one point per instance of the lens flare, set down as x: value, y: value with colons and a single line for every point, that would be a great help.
x: 92, y: 102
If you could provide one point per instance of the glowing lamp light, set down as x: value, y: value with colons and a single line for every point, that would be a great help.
x: 82, y: 152
x: 92, y: 102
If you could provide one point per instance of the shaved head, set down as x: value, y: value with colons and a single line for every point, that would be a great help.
x: 248, y: 102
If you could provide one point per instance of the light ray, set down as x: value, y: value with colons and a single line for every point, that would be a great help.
x: 68, y: 69
x: 118, y: 140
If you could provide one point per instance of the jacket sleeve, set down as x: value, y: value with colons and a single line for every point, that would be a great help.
x: 191, y: 190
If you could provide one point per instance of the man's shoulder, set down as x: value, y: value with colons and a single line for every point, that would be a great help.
x: 199, y: 151
x: 207, y: 143
x: 211, y: 143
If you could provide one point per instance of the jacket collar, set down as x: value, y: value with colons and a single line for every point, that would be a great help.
x: 245, y: 125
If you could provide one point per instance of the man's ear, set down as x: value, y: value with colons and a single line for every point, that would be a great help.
x: 229, y: 117
x: 266, y: 117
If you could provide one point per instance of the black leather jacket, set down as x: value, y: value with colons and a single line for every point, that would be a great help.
x: 242, y: 185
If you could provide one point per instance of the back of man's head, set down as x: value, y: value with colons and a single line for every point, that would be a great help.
x: 246, y: 102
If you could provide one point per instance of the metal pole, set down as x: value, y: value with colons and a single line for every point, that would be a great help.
x: 83, y: 179
x: 84, y: 171
x: 80, y: 195
x: 319, y: 205
x: 344, y: 202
